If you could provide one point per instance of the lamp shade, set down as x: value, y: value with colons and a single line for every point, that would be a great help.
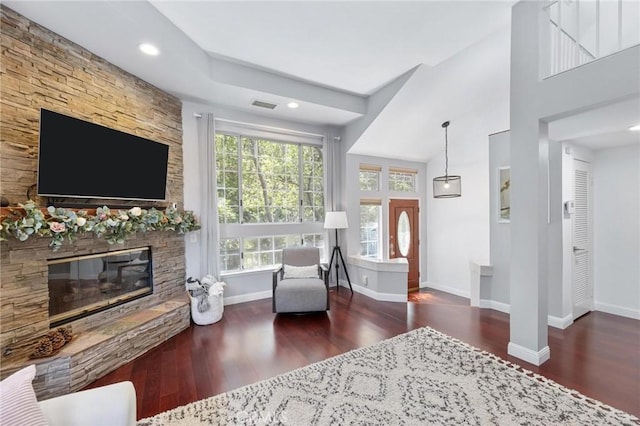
x: 336, y: 220
x: 447, y: 186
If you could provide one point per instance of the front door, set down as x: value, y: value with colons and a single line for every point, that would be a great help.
x: 403, y: 237
x: 581, y: 239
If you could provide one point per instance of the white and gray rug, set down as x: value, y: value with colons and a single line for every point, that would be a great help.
x: 422, y: 377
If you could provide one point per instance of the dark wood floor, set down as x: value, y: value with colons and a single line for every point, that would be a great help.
x: 599, y: 355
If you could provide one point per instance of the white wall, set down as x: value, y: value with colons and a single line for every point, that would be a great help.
x: 497, y: 293
x: 534, y: 103
x: 616, y: 211
x: 191, y: 180
x: 353, y: 195
x: 555, y: 223
x: 378, y: 279
x: 458, y: 228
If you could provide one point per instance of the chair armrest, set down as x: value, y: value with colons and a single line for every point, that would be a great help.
x: 279, y: 270
x: 324, y: 269
x: 324, y: 273
x: 276, y: 272
x: 108, y: 405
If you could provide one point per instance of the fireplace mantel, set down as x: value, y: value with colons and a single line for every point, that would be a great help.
x: 58, y: 224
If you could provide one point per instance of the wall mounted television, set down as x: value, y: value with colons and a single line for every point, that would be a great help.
x: 79, y: 159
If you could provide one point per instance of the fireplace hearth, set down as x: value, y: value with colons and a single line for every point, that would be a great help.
x: 83, y: 285
x: 120, y: 301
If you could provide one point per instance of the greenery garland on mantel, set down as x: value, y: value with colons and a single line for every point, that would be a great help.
x: 114, y: 226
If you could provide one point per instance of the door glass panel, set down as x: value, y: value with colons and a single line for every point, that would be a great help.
x: 404, y: 233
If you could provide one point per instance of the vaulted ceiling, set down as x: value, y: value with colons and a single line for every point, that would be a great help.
x: 332, y: 58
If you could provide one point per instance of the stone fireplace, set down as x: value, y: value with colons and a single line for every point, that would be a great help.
x: 42, y: 69
x: 150, y: 266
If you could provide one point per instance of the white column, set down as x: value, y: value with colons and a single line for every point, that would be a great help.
x: 528, y: 270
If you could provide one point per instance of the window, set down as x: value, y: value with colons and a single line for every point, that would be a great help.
x: 230, y: 254
x: 369, y: 177
x: 312, y: 184
x: 261, y: 252
x: 263, y: 187
x: 270, y: 181
x: 263, y: 181
x: 402, y: 180
x: 228, y: 179
x: 370, y: 228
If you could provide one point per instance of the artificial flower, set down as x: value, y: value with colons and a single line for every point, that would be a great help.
x: 57, y: 227
x: 60, y: 224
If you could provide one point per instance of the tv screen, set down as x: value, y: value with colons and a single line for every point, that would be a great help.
x: 81, y: 159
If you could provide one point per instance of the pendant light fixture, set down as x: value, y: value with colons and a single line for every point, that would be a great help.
x: 447, y: 186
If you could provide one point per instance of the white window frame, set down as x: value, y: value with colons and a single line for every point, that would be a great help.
x: 412, y: 173
x: 370, y: 168
x: 376, y: 202
x: 301, y: 228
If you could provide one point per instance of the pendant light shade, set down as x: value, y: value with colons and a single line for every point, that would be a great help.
x: 447, y: 186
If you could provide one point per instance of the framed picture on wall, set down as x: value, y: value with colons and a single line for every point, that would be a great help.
x: 504, y: 189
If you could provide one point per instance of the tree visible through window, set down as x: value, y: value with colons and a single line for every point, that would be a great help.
x: 227, y: 179
x: 270, y: 181
x: 402, y: 180
x: 266, y: 182
x: 369, y: 177
x: 370, y: 229
x: 280, y: 182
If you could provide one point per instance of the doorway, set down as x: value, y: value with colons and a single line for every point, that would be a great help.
x: 403, y: 237
x: 581, y: 231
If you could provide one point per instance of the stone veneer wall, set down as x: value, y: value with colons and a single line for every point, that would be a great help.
x: 39, y: 68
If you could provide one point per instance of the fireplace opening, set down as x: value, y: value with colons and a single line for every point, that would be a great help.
x: 80, y: 286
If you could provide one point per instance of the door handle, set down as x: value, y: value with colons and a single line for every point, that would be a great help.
x: 577, y: 249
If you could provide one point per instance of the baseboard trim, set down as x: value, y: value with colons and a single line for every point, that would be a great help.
x: 552, y: 321
x: 617, y: 310
x: 382, y: 297
x: 560, y: 323
x: 528, y: 355
x: 232, y: 300
x: 448, y: 289
x: 496, y: 306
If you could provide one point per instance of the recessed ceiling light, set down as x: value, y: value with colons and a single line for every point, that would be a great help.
x: 293, y: 105
x: 149, y: 49
x: 636, y: 128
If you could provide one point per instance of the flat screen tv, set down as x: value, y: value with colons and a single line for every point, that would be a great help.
x: 78, y: 159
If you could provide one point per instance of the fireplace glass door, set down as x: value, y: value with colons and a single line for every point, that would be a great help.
x: 79, y: 286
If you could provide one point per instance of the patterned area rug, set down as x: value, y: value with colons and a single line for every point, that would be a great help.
x: 417, y: 378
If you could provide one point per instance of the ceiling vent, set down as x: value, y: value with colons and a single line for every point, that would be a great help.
x: 263, y: 104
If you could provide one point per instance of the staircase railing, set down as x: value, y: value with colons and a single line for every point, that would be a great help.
x: 566, y: 52
x: 583, y: 30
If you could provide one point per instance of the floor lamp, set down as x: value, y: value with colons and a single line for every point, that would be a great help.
x: 337, y: 220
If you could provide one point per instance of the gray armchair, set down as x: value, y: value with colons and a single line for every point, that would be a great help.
x: 301, y: 283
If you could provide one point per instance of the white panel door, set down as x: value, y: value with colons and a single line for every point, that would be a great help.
x: 581, y: 240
